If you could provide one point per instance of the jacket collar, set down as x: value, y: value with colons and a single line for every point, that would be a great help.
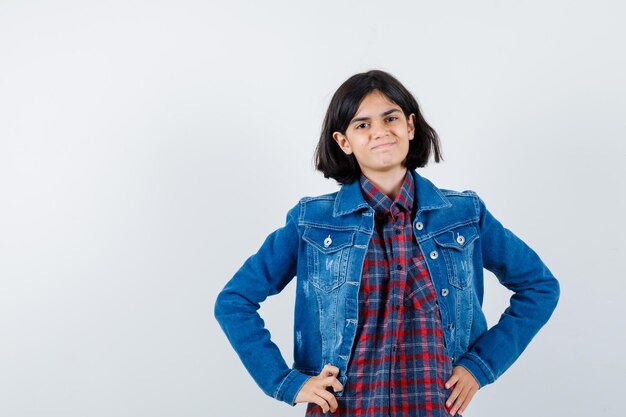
x: 427, y: 197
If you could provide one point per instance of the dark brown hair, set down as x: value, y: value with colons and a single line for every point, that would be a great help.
x: 333, y: 162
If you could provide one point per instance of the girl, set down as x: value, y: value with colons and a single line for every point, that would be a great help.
x: 388, y: 309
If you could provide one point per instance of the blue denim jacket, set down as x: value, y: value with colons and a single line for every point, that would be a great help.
x: 324, y: 242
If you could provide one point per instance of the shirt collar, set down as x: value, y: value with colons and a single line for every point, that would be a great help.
x: 381, y: 203
x: 427, y: 197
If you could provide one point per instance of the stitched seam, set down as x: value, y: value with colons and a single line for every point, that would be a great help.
x: 466, y: 193
x: 482, y: 364
x: 352, y: 209
x: 330, y: 227
x: 471, y: 320
x: 324, y: 197
x: 281, y: 384
x: 321, y: 325
x: 448, y: 228
x: 302, y: 212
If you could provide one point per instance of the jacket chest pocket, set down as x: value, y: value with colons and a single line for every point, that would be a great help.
x: 327, y: 256
x: 457, y: 246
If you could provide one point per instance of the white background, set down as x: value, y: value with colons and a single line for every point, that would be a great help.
x: 148, y: 147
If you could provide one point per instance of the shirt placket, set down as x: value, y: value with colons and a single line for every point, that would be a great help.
x: 394, y: 231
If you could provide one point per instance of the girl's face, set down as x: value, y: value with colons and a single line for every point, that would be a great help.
x: 378, y: 135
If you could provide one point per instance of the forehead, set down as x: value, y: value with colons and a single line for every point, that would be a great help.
x: 375, y: 101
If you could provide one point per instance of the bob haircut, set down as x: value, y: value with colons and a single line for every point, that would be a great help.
x: 333, y: 162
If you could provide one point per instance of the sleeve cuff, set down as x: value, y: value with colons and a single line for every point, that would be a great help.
x: 477, y: 367
x: 289, y: 388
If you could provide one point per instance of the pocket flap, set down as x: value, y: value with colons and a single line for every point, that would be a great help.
x: 457, y: 238
x: 327, y: 240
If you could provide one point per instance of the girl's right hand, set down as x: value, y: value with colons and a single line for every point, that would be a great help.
x: 314, y: 389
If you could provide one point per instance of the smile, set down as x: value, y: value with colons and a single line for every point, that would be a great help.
x: 384, y: 145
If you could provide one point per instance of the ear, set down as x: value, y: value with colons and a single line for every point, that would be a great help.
x: 343, y: 143
x: 411, y: 125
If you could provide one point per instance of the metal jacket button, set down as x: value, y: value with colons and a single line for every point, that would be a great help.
x: 444, y: 292
x: 434, y: 255
x: 419, y: 225
x: 327, y: 241
x: 460, y: 239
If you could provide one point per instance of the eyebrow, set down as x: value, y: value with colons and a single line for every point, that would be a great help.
x: 362, y: 119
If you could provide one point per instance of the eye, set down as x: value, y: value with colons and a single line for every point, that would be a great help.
x: 392, y: 118
x: 360, y: 126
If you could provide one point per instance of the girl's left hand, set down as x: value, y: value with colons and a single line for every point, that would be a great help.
x: 465, y: 386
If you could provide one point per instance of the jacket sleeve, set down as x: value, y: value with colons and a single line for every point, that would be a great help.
x: 536, y: 293
x: 236, y: 309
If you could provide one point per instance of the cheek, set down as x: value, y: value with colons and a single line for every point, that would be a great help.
x: 405, y: 151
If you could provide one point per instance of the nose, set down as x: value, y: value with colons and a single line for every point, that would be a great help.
x: 378, y: 129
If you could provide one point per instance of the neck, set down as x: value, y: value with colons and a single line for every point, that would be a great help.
x: 388, y: 182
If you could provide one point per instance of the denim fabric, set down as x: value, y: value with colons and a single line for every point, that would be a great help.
x: 323, y: 243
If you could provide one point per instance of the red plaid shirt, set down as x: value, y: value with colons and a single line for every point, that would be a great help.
x: 399, y: 363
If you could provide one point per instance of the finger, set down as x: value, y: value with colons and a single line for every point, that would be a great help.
x: 329, y: 398
x: 453, y: 395
x: 329, y: 370
x: 460, y: 401
x: 469, y: 397
x: 321, y: 401
x: 457, y: 404
x: 331, y: 381
x: 453, y: 380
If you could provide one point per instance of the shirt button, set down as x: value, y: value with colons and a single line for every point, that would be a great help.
x: 419, y: 225
x: 398, y: 231
x: 399, y: 267
x: 460, y: 239
x: 444, y: 292
x: 434, y: 255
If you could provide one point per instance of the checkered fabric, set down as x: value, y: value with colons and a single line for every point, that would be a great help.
x: 399, y: 363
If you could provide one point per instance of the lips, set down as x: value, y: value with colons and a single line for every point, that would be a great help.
x: 384, y: 145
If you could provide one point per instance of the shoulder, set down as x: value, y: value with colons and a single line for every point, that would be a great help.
x: 464, y: 205
x: 323, y: 204
x: 320, y: 199
x: 458, y: 194
x: 431, y: 192
x: 314, y: 200
x: 457, y: 205
x: 320, y: 206
x: 466, y: 196
x: 461, y: 197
